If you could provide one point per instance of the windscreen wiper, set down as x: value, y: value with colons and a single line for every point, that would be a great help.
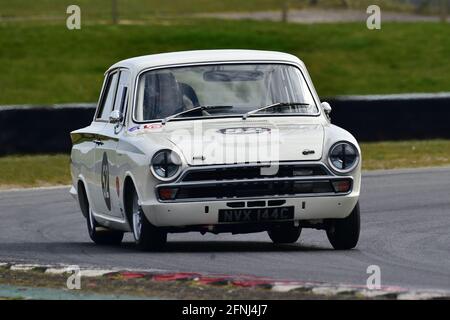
x: 199, y: 108
x: 278, y: 104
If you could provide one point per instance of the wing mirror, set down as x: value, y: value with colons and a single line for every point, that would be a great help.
x: 326, y: 108
x: 115, y: 117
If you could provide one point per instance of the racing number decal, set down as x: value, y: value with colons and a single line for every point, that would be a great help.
x: 105, y: 181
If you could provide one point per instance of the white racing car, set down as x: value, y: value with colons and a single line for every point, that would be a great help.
x: 214, y: 141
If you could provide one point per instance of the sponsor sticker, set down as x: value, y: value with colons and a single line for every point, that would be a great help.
x: 132, y: 129
x: 153, y: 126
x: 150, y: 126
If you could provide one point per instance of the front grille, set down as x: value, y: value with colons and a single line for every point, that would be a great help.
x: 253, y: 189
x: 252, y: 172
x: 250, y: 189
x: 249, y: 181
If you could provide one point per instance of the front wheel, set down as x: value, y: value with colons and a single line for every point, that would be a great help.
x: 343, y: 234
x: 147, y: 236
x: 284, y: 234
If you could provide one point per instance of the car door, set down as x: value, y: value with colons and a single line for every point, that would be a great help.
x: 106, y: 155
x: 99, y: 200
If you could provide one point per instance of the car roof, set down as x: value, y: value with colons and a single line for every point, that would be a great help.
x: 203, y: 56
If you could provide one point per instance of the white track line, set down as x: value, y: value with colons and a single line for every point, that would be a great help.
x: 57, y: 187
x: 371, y: 173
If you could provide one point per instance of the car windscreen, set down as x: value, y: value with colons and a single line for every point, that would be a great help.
x: 240, y: 87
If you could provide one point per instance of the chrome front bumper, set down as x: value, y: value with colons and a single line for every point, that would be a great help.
x: 207, y: 213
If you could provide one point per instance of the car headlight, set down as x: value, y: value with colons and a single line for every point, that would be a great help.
x: 165, y: 165
x: 343, y: 157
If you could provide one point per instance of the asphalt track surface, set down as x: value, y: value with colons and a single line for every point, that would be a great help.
x: 405, y: 231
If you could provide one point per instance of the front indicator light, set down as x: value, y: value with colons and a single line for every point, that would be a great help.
x: 167, y: 193
x: 341, y: 186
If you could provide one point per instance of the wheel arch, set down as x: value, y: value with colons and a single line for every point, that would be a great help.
x: 84, y: 199
x: 129, y: 185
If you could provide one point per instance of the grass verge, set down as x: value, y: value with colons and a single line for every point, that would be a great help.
x: 45, y: 170
x: 47, y: 63
x: 405, y: 154
x: 34, y: 170
x: 139, y: 9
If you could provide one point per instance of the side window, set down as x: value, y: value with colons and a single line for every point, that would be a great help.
x: 108, y: 97
x: 122, y: 92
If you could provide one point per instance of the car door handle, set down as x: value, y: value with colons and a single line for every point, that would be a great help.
x: 97, y: 142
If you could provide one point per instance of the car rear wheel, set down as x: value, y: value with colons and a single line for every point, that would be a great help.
x: 101, y: 235
x: 147, y: 236
x: 284, y: 234
x: 97, y: 233
x: 343, y: 234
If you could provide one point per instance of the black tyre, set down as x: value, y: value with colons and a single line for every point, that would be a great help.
x: 147, y: 236
x: 98, y: 234
x: 284, y: 234
x: 343, y: 234
x: 101, y: 235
